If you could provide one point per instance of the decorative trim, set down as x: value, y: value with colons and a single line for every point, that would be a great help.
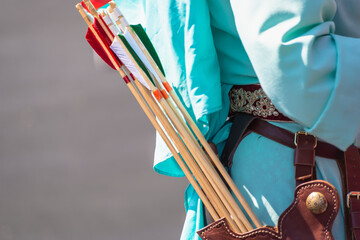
x: 251, y: 99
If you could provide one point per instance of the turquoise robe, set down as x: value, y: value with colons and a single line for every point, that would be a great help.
x: 304, y: 53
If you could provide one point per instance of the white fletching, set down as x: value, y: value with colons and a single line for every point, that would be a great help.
x: 121, y: 53
x: 141, y: 55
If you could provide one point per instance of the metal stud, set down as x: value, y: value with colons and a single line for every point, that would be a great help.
x: 316, y: 203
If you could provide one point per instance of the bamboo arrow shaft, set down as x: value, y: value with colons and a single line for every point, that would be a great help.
x: 229, y: 201
x: 122, y: 74
x: 178, y: 159
x: 209, y: 172
x: 215, y: 160
x: 195, y: 158
x: 222, y: 191
x: 169, y: 145
x: 200, y: 177
x: 153, y: 120
x: 197, y: 132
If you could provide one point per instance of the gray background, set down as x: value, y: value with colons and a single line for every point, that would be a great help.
x: 75, y: 148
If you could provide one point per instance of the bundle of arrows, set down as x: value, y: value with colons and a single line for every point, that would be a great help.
x: 127, y: 49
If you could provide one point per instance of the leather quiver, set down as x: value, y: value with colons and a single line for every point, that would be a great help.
x: 297, y: 222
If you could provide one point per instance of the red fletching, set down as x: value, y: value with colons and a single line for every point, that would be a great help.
x: 102, y: 32
x: 104, y: 36
x: 99, y: 3
x: 94, y: 43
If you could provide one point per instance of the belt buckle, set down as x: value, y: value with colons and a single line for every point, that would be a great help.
x: 352, y: 194
x: 304, y: 133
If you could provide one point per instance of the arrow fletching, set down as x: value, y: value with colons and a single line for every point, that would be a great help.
x: 121, y: 53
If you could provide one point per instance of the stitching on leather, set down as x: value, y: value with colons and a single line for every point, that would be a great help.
x: 332, y: 214
x: 213, y: 226
x: 327, y: 235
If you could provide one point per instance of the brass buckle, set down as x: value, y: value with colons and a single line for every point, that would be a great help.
x: 352, y: 194
x: 304, y: 133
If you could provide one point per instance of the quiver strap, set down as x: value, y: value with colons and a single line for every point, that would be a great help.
x: 304, y: 157
x: 352, y: 173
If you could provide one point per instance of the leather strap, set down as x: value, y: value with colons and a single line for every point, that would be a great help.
x: 243, y: 124
x: 352, y: 166
x: 304, y: 159
x: 286, y: 138
x: 240, y: 124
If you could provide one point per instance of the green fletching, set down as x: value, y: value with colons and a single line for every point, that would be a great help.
x: 139, y: 30
x: 135, y: 56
